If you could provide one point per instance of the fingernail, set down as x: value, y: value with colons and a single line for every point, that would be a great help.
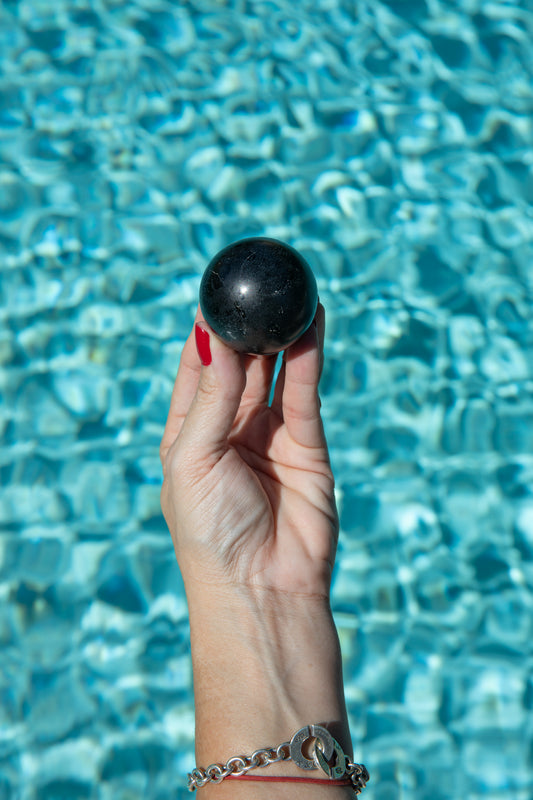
x: 202, y: 344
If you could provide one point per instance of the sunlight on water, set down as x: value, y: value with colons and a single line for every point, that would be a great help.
x: 391, y: 143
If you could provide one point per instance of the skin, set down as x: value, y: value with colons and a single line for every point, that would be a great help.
x: 248, y: 496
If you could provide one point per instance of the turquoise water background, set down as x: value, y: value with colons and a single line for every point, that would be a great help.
x: 391, y: 142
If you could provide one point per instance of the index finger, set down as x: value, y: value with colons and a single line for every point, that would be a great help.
x: 296, y: 398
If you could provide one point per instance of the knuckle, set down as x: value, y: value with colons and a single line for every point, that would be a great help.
x: 207, y: 392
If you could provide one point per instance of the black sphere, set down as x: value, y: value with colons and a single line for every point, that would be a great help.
x: 259, y: 295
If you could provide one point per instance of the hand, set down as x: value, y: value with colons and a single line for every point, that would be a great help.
x: 248, y: 488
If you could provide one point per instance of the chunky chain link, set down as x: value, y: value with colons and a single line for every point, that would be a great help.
x: 358, y: 775
x: 237, y: 765
x: 328, y: 755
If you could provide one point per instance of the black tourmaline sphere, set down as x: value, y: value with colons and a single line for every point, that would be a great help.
x: 258, y: 295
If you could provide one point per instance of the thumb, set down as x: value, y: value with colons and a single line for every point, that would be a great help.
x: 213, y: 410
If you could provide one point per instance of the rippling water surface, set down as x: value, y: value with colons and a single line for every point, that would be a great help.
x: 392, y: 143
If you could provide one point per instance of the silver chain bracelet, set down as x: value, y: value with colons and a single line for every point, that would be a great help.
x: 328, y: 755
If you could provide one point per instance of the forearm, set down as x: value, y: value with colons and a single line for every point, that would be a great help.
x: 264, y: 666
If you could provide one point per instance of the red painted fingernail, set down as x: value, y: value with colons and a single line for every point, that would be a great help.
x: 202, y: 344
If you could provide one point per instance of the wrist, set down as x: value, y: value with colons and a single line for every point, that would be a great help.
x: 265, y: 664
x: 272, y: 631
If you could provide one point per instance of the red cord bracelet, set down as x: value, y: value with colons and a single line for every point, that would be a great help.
x: 291, y: 779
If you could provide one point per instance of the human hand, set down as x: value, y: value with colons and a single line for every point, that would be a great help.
x: 248, y: 488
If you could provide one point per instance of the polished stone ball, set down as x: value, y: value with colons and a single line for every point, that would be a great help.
x: 259, y: 295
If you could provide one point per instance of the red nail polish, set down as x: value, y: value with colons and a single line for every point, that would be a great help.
x: 202, y: 344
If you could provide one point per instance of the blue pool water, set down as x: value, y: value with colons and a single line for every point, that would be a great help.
x: 391, y: 142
